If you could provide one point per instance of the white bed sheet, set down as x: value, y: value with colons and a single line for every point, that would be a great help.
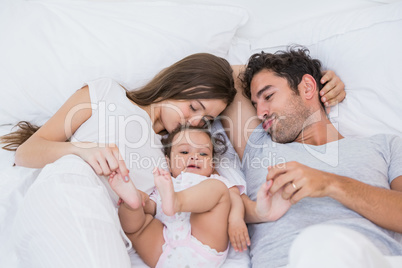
x: 6, y: 157
x: 15, y: 182
x: 13, y: 185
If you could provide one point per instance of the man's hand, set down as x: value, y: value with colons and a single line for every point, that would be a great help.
x: 298, y: 181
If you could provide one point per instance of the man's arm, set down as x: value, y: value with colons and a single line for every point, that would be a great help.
x: 381, y: 206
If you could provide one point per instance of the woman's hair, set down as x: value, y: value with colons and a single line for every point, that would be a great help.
x: 217, y: 139
x: 198, y: 76
x: 291, y: 65
x: 18, y: 137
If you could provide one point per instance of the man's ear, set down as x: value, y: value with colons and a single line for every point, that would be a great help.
x: 309, y: 87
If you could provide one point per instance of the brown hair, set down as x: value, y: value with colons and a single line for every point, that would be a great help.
x: 16, y: 138
x: 198, y: 76
x: 218, y: 139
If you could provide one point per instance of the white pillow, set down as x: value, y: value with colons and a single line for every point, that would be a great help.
x: 364, y: 48
x: 271, y: 15
x: 50, y: 48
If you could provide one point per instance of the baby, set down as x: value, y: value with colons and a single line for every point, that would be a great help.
x: 184, y: 223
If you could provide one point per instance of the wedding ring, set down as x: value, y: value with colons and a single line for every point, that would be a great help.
x: 294, y: 185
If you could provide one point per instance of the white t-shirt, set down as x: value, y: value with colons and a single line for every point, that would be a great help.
x: 115, y: 119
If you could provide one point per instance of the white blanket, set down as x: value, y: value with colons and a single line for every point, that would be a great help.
x: 42, y: 218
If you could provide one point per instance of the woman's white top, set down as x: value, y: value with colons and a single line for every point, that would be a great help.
x: 115, y: 119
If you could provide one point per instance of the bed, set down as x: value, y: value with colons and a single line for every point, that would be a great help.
x: 49, y: 48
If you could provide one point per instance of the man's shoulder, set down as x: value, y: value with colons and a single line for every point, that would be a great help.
x: 259, y: 135
x: 385, y: 143
x: 380, y: 137
x: 387, y: 139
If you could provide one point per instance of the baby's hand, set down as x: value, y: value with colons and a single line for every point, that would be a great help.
x: 238, y: 235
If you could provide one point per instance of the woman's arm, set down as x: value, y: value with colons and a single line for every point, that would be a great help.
x: 49, y: 143
x: 334, y: 90
x: 239, y: 119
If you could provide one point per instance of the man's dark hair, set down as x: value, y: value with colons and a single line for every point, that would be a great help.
x: 291, y: 64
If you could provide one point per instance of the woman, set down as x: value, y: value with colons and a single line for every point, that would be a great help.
x: 68, y: 218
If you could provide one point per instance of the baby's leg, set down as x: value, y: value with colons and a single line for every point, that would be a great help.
x: 145, y: 232
x: 131, y: 213
x: 209, y: 218
x: 148, y: 241
x: 125, y: 190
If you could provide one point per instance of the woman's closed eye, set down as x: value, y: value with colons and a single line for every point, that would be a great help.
x: 192, y: 108
x: 196, y: 106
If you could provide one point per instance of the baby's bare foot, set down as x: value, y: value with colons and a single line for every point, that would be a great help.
x: 125, y: 190
x: 164, y: 184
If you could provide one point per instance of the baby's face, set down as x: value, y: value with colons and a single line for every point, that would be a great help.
x: 192, y: 151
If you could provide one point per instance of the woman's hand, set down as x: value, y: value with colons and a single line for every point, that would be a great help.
x: 333, y: 91
x: 103, y: 158
x: 238, y: 235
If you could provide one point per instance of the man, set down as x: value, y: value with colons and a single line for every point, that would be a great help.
x: 344, y: 195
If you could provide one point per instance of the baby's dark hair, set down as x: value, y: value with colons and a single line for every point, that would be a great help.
x: 218, y: 140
